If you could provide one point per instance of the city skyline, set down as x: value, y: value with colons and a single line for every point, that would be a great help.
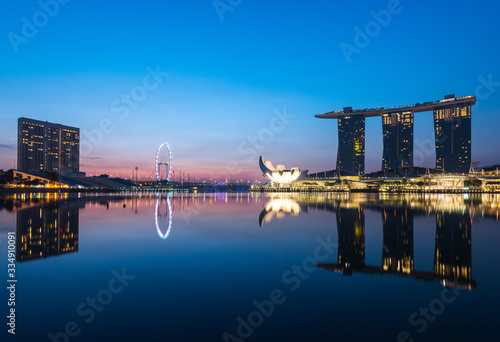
x: 245, y: 86
x: 260, y: 169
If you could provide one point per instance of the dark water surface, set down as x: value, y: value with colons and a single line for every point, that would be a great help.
x: 253, y: 267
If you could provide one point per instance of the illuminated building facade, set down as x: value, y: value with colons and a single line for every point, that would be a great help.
x: 280, y: 175
x: 351, y: 237
x: 452, y: 128
x: 47, y: 147
x: 398, y: 140
x: 47, y: 231
x: 351, y: 148
x: 397, y: 254
x: 452, y: 121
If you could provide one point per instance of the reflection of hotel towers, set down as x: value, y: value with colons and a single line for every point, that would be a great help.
x: 452, y: 257
x: 453, y: 250
x: 397, y: 253
x: 351, y: 237
x: 48, y: 231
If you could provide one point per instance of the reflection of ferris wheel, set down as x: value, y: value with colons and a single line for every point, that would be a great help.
x: 168, y: 163
x: 168, y: 215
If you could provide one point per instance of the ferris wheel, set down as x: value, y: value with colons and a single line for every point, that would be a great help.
x: 164, y: 161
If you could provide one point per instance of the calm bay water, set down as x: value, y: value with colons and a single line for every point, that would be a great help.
x: 253, y: 267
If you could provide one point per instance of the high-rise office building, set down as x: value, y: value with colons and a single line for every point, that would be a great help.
x: 398, y: 140
x: 47, y: 147
x: 452, y: 127
x: 351, y: 148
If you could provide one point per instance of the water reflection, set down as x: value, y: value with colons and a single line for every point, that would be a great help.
x: 453, y: 249
x: 390, y: 240
x: 452, y: 256
x: 159, y: 216
x: 47, y: 231
x: 397, y: 252
x: 351, y: 238
x: 47, y: 225
x: 279, y: 207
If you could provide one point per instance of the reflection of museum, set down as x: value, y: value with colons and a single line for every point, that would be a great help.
x: 452, y: 252
x: 47, y: 231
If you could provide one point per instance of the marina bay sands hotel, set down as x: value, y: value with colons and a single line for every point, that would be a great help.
x: 452, y: 130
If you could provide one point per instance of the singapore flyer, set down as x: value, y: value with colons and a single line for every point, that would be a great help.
x: 167, y: 161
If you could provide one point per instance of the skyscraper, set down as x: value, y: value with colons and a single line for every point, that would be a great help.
x: 351, y: 148
x: 47, y: 147
x: 452, y: 127
x: 398, y: 140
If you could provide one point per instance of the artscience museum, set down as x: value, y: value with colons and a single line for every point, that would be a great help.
x: 280, y: 174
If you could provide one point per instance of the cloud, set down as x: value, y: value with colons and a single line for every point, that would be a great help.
x: 92, y: 157
x: 8, y: 146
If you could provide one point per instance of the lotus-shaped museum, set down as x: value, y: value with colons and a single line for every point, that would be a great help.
x: 279, y: 174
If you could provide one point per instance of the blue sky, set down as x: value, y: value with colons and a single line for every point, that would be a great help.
x: 228, y: 78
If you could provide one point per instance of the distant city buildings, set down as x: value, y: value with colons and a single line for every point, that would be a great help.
x: 452, y: 127
x: 47, y: 147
